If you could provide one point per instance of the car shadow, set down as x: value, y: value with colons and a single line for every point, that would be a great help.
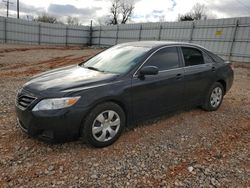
x: 135, y: 125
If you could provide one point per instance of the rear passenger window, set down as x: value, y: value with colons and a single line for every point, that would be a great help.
x: 215, y: 58
x: 164, y: 59
x: 192, y: 56
x: 207, y: 58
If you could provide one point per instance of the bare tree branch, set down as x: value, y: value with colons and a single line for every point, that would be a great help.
x: 46, y: 18
x: 73, y: 20
x: 186, y: 17
x: 115, y: 10
x: 126, y: 11
x: 121, y: 11
x: 199, y: 11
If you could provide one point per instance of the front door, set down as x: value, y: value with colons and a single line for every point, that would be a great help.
x: 156, y: 94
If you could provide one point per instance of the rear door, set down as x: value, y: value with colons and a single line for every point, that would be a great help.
x: 198, y: 73
x: 157, y: 94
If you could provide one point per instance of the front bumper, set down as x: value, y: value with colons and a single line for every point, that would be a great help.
x: 52, y: 126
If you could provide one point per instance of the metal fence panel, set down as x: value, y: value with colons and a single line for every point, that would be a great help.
x: 22, y: 31
x: 107, y: 41
x: 241, y: 47
x: 176, y: 31
x: 2, y: 29
x: 125, y: 40
x: 229, y: 38
x: 127, y: 34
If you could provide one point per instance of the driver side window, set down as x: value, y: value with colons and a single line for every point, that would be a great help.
x: 165, y: 59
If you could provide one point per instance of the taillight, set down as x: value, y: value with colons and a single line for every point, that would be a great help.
x: 230, y: 64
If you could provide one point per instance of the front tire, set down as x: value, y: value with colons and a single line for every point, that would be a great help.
x: 104, y: 125
x: 214, y: 98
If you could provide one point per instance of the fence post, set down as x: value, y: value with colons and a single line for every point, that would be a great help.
x: 160, y: 30
x: 5, y: 30
x: 117, y: 32
x: 90, y: 33
x: 100, y: 35
x: 140, y: 32
x: 67, y: 33
x: 192, y: 31
x: 230, y: 53
x: 39, y: 33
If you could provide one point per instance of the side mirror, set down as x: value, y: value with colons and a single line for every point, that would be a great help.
x: 148, y: 70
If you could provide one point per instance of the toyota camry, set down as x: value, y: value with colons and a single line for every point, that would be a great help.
x: 96, y: 99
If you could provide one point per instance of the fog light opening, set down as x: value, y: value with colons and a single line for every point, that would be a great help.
x: 46, y: 134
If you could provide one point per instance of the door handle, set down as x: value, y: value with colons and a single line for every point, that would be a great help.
x: 178, y: 76
x: 213, y: 69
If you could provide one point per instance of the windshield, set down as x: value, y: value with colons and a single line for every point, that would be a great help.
x: 118, y: 59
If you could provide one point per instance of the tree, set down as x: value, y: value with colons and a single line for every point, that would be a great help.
x: 73, y: 21
x: 126, y: 11
x: 186, y: 17
x: 198, y: 12
x: 104, y: 20
x: 162, y: 18
x: 121, y: 11
x: 115, y: 11
x: 46, y: 18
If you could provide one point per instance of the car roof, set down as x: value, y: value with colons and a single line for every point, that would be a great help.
x: 155, y: 44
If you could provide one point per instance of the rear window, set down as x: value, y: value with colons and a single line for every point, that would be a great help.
x: 215, y: 57
x: 207, y: 58
x: 192, y: 56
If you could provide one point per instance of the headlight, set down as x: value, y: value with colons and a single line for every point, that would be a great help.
x: 56, y: 103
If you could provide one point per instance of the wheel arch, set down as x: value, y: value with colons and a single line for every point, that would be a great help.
x: 113, y: 100
x: 223, y: 83
x: 119, y: 103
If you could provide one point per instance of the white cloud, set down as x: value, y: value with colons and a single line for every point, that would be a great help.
x: 148, y: 10
x: 145, y: 10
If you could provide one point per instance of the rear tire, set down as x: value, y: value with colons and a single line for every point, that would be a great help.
x: 214, y: 97
x: 103, y: 125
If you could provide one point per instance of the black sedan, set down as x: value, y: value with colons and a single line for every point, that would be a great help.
x: 129, y: 82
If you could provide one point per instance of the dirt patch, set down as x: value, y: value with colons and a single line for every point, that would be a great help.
x: 23, y: 49
x: 28, y: 69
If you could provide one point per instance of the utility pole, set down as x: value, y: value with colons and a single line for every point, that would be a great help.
x: 17, y: 7
x: 8, y: 3
x: 90, y: 32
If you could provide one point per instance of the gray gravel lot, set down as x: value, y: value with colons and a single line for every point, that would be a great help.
x: 191, y: 148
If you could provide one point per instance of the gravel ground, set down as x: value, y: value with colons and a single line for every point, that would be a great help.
x: 186, y: 149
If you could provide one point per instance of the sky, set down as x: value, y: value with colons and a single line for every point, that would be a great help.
x: 144, y: 11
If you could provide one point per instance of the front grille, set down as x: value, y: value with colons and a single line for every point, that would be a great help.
x: 24, y: 100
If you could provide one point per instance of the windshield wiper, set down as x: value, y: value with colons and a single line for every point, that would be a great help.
x: 93, y: 68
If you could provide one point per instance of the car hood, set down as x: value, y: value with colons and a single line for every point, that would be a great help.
x: 66, y: 79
